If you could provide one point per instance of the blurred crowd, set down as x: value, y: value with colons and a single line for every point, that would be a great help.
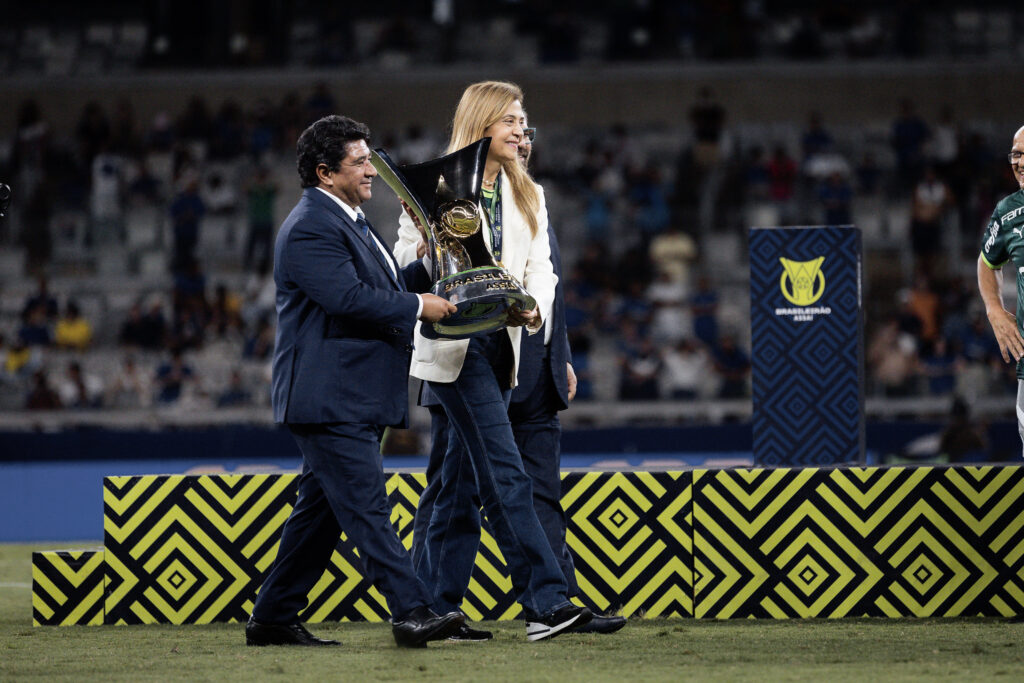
x: 652, y: 224
x: 200, y: 352
x: 119, y: 36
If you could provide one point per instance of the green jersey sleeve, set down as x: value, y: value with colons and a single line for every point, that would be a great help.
x: 993, y: 249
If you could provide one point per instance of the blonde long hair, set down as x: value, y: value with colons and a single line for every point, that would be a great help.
x: 482, y: 105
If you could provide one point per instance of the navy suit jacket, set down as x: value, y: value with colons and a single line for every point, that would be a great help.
x: 531, y: 351
x: 345, y: 323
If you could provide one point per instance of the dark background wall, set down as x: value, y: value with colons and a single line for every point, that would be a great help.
x: 659, y: 95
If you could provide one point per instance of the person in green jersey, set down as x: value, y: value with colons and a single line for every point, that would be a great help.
x: 262, y: 193
x: 1004, y: 243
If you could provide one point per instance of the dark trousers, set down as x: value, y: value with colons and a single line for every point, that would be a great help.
x: 481, y: 464
x: 259, y: 243
x: 538, y: 433
x: 341, y: 488
x: 425, y: 508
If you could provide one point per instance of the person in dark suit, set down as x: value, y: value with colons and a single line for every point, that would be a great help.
x: 546, y: 384
x: 346, y: 315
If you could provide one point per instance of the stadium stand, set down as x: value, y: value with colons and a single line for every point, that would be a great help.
x: 142, y: 203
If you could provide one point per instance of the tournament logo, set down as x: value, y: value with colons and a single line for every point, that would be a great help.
x: 802, y: 282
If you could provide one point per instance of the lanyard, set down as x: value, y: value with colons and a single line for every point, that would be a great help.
x: 494, y: 212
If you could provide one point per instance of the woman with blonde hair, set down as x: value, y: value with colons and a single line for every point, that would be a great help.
x: 472, y: 380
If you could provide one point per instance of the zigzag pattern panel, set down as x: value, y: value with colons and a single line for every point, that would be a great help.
x: 67, y: 587
x: 883, y: 542
x: 806, y: 359
x: 342, y: 594
x: 490, y: 594
x: 632, y: 538
x: 194, y: 549
x: 631, y: 534
x: 183, y: 549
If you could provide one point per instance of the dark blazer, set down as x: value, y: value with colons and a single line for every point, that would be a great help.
x: 532, y: 360
x: 345, y: 323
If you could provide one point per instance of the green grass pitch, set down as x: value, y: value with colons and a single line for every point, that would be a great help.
x: 646, y: 650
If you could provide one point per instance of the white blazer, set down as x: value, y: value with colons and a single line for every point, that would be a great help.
x: 527, y: 258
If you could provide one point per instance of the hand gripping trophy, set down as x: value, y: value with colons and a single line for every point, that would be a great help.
x: 444, y: 194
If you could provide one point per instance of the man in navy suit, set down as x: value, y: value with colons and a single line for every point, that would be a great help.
x: 546, y: 384
x: 340, y: 375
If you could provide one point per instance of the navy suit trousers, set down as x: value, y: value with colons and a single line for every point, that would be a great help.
x: 482, y: 465
x: 341, y: 488
x: 538, y: 435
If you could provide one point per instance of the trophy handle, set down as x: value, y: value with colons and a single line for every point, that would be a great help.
x: 393, y: 178
x: 452, y: 256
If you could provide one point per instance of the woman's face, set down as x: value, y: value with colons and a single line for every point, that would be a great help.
x: 506, y: 133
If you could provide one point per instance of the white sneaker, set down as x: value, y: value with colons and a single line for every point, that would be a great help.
x: 562, y: 619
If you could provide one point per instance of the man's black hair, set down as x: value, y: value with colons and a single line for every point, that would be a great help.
x: 324, y: 143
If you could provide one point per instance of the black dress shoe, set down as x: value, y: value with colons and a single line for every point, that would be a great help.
x: 275, y: 634
x: 465, y: 634
x: 601, y: 623
x: 422, y: 625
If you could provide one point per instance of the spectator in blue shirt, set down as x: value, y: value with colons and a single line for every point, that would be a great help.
x: 171, y: 378
x: 733, y: 366
x: 187, y: 210
x: 35, y: 331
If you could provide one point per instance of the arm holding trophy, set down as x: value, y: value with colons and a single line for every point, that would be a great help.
x: 339, y: 377
x: 412, y: 237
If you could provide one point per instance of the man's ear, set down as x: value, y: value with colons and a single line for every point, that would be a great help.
x: 324, y: 174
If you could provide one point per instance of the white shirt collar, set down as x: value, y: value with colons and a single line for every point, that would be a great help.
x: 353, y: 213
x: 349, y: 211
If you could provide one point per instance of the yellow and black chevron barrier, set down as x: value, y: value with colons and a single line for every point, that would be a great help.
x: 708, y: 544
x: 884, y: 542
x: 632, y: 538
x: 67, y: 587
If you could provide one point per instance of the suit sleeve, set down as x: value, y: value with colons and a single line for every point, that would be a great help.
x: 540, y: 278
x: 319, y: 261
x: 416, y: 277
x: 556, y: 263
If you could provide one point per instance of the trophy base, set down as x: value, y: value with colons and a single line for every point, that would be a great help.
x: 483, y: 297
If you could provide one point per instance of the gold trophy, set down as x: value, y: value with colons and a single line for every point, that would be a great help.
x: 444, y: 195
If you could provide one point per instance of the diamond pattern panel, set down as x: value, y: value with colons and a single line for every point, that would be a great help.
x: 806, y: 350
x: 859, y: 542
x: 67, y: 587
x: 763, y: 543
